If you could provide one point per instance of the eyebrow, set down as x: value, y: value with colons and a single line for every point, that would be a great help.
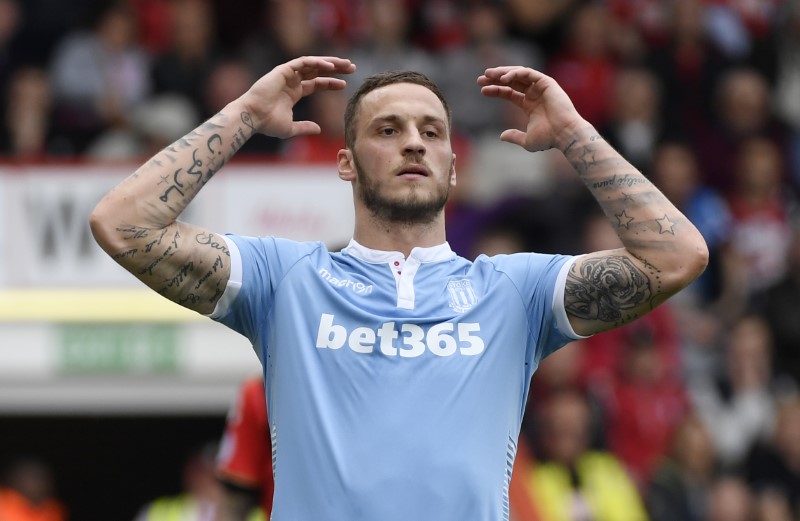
x: 395, y: 118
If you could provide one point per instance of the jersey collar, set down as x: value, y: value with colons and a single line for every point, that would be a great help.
x: 441, y: 252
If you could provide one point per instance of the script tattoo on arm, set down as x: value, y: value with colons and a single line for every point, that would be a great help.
x: 184, y: 263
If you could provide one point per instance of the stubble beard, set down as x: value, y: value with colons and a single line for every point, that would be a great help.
x: 408, y: 211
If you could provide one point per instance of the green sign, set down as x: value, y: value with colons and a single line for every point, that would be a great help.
x: 119, y: 348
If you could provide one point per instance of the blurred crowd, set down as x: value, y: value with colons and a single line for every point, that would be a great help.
x: 690, y: 413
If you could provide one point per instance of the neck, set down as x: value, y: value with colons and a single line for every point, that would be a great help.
x: 378, y: 234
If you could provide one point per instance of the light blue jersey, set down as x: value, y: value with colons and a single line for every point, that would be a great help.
x: 395, y: 386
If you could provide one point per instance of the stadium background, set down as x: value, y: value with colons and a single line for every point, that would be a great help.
x: 111, y: 386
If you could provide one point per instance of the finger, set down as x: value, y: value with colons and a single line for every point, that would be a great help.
x: 514, y: 136
x: 504, y: 92
x: 521, y: 86
x: 518, y: 78
x: 322, y: 83
x: 309, y: 67
x: 304, y: 128
x: 505, y: 73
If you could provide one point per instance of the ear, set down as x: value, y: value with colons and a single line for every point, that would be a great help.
x: 453, y: 171
x: 345, y: 164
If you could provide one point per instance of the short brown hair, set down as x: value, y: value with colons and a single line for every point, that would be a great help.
x: 383, y: 79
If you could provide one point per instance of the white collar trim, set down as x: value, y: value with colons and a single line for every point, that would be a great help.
x: 441, y: 252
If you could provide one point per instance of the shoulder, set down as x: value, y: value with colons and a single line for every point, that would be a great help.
x: 274, y: 246
x: 525, y: 267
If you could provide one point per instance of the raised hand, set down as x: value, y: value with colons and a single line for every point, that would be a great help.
x: 271, y: 99
x: 552, y: 117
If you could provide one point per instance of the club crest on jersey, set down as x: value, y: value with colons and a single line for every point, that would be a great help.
x: 462, y: 296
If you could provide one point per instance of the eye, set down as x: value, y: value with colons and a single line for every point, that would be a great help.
x: 431, y: 133
x: 387, y: 131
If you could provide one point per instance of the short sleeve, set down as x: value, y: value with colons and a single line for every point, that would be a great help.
x: 258, y: 264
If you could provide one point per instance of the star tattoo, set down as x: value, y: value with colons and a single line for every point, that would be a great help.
x: 623, y: 219
x: 665, y: 225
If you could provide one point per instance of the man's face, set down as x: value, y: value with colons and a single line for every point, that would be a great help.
x: 402, y: 155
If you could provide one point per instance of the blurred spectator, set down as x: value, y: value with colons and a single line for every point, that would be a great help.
x: 437, y: 25
x: 27, y: 493
x: 27, y: 119
x: 97, y: 78
x: 326, y: 109
x: 756, y: 18
x: 718, y: 296
x: 605, y: 351
x: 557, y: 374
x: 760, y: 231
x: 487, y: 45
x: 635, y: 125
x: 787, y: 82
x: 154, y: 19
x: 688, y: 66
x: 201, y: 494
x: 185, y: 66
x: 9, y: 27
x: 679, y: 487
x: 730, y: 500
x: 227, y: 80
x: 742, y: 111
x: 585, y: 66
x: 727, y: 29
x: 573, y: 482
x: 675, y: 172
x: 524, y: 506
x: 647, y: 17
x: 773, y: 506
x: 497, y: 170
x: 236, y: 21
x: 774, y: 466
x: 498, y: 238
x: 287, y: 30
x: 645, y: 405
x: 244, y: 462
x: 781, y: 310
x: 386, y: 45
x: 738, y: 406
x: 541, y: 20
x: 156, y: 123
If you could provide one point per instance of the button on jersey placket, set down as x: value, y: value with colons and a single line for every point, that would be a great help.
x: 404, y: 271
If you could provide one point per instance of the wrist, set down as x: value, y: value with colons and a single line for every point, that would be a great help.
x: 576, y: 132
x: 242, y: 105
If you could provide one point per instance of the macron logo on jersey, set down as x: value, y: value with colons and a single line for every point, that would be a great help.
x: 411, y: 340
x: 358, y: 287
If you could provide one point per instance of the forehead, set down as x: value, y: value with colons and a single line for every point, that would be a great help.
x: 401, y: 99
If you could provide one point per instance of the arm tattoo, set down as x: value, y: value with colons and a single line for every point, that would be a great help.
x: 624, y: 220
x: 603, y: 288
x: 665, y: 225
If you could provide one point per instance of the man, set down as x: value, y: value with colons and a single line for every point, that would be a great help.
x: 396, y: 372
x: 200, y: 496
x: 244, y: 464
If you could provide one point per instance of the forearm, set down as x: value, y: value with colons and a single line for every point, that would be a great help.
x: 650, y: 227
x: 136, y: 222
x: 156, y: 194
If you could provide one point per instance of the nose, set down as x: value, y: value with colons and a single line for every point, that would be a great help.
x: 414, y: 143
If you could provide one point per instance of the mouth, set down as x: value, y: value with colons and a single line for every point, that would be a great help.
x: 413, y: 170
